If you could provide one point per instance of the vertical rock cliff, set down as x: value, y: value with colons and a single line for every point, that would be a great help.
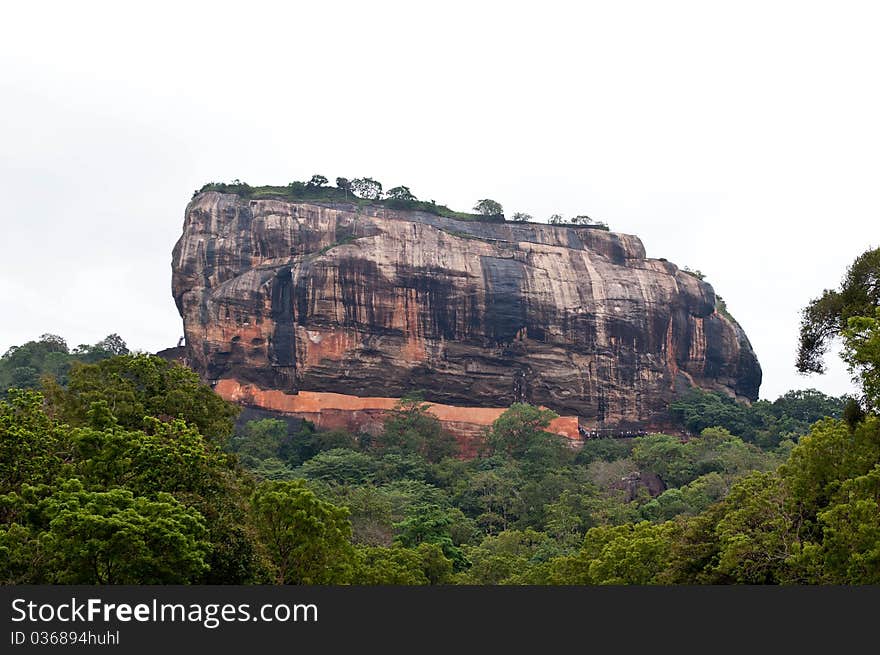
x: 325, y: 297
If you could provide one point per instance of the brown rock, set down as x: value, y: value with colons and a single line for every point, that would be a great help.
x: 373, y: 302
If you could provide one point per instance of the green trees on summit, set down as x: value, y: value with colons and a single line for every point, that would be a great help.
x: 400, y: 193
x: 366, y: 191
x: 367, y: 188
x: 488, y: 207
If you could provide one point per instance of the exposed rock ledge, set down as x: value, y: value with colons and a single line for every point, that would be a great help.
x: 332, y: 411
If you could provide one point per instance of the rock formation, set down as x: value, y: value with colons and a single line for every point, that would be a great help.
x: 367, y: 301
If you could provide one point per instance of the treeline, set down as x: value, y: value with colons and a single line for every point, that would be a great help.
x: 367, y: 191
x: 133, y: 473
x: 764, y: 423
x: 363, y: 191
x: 23, y: 366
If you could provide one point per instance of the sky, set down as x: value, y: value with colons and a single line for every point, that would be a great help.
x: 740, y: 139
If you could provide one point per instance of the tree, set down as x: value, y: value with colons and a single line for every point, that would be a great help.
x: 411, y: 427
x: 113, y: 537
x: 487, y: 207
x: 343, y: 184
x: 633, y: 553
x: 850, y: 550
x: 54, y: 342
x: 827, y: 316
x: 628, y: 554
x: 699, y: 409
x: 852, y: 413
x: 520, y: 217
x: 425, y: 564
x: 830, y: 454
x: 307, y: 538
x: 492, y: 496
x: 23, y: 366
x: 430, y: 524
x: 806, y: 406
x: 341, y: 466
x: 520, y: 432
x: 165, y: 456
x: 581, y: 219
x: 556, y: 219
x: 666, y: 456
x: 690, y: 499
x: 113, y: 344
x: 501, y: 558
x: 317, y: 182
x: 568, y: 517
x: 861, y: 352
x: 33, y: 447
x: 261, y: 439
x: 135, y: 386
x: 366, y: 188
x: 400, y: 193
x: 758, y: 536
x: 371, y: 513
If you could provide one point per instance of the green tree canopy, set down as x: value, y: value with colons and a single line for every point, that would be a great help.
x: 520, y: 433
x: 166, y: 456
x: 113, y: 537
x: 367, y: 188
x: 861, y: 352
x: 308, y: 539
x: 488, y: 207
x: 400, y: 193
x: 411, y: 427
x: 136, y: 386
x: 24, y: 366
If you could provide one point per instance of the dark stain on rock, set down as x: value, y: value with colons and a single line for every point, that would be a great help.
x: 283, y: 348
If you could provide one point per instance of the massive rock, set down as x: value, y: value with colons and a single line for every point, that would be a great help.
x: 332, y: 297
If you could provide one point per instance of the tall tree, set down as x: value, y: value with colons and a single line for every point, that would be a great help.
x: 411, y: 427
x: 400, y: 193
x: 861, y: 352
x: 521, y: 433
x: 827, y: 316
x: 136, y: 386
x: 114, y: 537
x: 489, y: 207
x: 366, y: 188
x: 306, y: 537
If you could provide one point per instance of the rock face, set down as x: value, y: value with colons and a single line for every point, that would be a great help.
x: 294, y: 296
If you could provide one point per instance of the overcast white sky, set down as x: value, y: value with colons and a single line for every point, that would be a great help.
x: 740, y: 139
